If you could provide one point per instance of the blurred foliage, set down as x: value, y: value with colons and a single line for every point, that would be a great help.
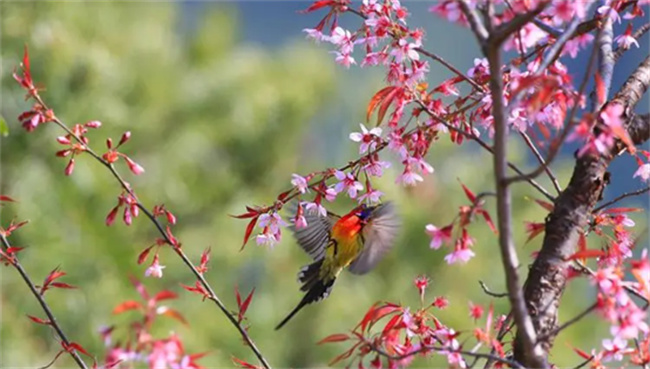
x: 217, y: 124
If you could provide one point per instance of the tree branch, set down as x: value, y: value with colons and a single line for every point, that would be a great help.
x: 532, y: 354
x: 46, y: 308
x: 548, y: 275
x: 212, y: 295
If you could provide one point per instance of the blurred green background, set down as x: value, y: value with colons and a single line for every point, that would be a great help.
x: 225, y: 101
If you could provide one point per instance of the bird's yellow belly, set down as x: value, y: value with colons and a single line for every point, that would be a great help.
x: 339, y: 256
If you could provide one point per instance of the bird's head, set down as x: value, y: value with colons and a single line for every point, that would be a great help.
x: 364, y: 212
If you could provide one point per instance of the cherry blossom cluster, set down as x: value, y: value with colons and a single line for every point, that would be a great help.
x: 391, y: 335
x: 616, y: 297
x: 462, y: 249
x: 538, y: 99
x: 136, y: 343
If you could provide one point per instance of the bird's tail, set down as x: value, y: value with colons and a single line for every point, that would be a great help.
x: 316, y: 288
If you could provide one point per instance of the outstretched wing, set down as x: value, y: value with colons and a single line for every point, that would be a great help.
x: 315, y: 236
x: 379, y: 236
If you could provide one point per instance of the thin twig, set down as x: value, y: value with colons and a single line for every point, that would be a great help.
x: 212, y: 295
x: 46, y: 308
x: 487, y: 291
x: 533, y: 353
x: 568, y: 323
x: 541, y: 160
x: 424, y: 349
x: 450, y: 67
x: 474, y: 21
x: 582, y: 364
x: 503, y: 31
x: 621, y: 197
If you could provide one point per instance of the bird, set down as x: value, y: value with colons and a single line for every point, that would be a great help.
x: 357, y: 240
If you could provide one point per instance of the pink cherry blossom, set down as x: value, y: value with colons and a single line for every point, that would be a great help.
x: 459, y: 255
x: 155, y: 269
x: 626, y: 40
x: 371, y: 197
x: 438, y: 235
x: 343, y: 39
x: 300, y: 183
x: 367, y: 138
x: 314, y: 208
x: 347, y: 183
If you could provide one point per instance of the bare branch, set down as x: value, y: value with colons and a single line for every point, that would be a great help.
x: 46, y: 308
x: 474, y: 21
x: 503, y: 31
x: 605, y: 57
x: 533, y: 355
x: 542, y: 162
x: 487, y: 291
x: 621, y: 197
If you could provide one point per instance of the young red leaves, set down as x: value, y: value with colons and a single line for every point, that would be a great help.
x: 242, y: 306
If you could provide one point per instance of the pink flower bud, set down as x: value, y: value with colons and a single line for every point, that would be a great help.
x: 110, y: 218
x: 170, y: 217
x: 70, y: 167
x: 125, y: 137
x: 133, y: 166
x: 93, y: 124
x: 63, y: 140
x: 109, y: 143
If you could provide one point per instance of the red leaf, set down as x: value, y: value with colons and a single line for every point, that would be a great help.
x: 165, y: 295
x: 243, y: 364
x: 343, y: 356
x: 533, y: 229
x: 470, y: 195
x: 250, y: 214
x: 585, y: 254
x: 621, y: 210
x: 583, y: 354
x: 388, y: 100
x: 126, y: 306
x: 174, y: 314
x: 377, y: 99
x: 249, y: 230
x: 61, y: 285
x: 39, y: 320
x: 317, y: 5
x: 76, y: 346
x: 488, y: 220
x: 143, y: 255
x: 546, y: 205
x: 391, y: 323
x: 14, y: 249
x: 244, y: 306
x: 600, y: 90
x: 337, y: 337
x: 6, y: 198
x: 26, y: 61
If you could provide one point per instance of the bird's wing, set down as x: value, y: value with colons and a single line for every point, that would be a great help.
x: 379, y: 235
x: 315, y: 236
